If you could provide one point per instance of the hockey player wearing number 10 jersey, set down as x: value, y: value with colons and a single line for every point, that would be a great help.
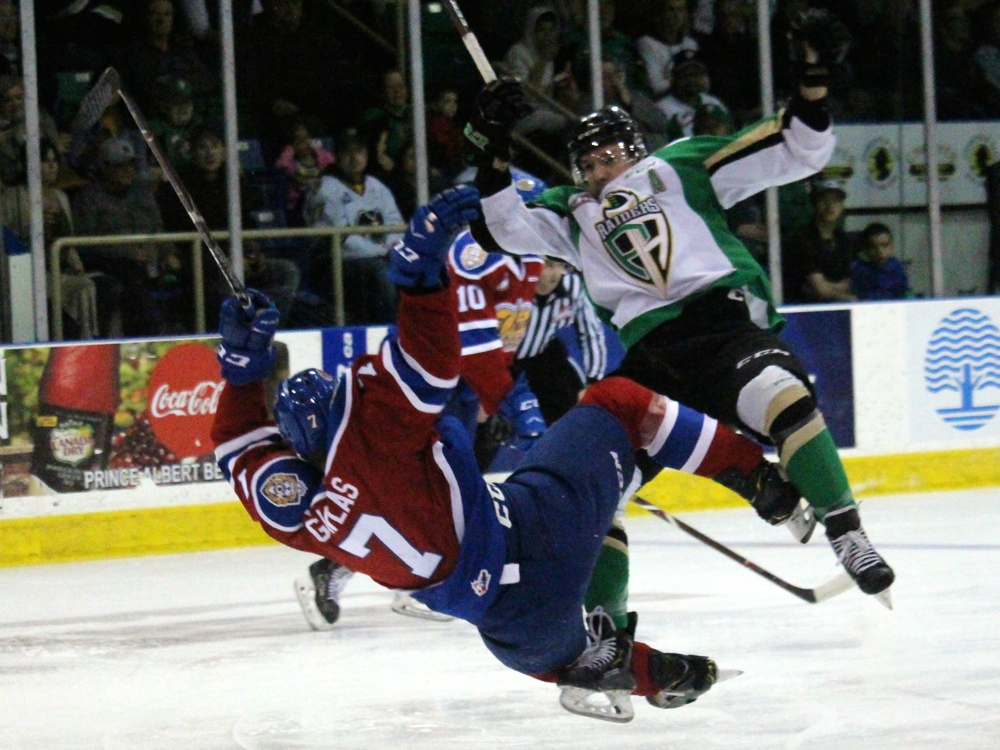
x: 364, y: 472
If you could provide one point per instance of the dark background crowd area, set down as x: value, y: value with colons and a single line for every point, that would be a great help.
x: 325, y: 122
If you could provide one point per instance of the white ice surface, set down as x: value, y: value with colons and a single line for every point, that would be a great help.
x: 209, y: 651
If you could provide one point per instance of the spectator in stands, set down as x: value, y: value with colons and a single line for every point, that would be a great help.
x: 12, y: 130
x: 205, y: 179
x: 157, y: 52
x: 350, y: 197
x: 304, y: 160
x: 403, y: 182
x: 877, y: 274
x: 538, y: 60
x: 654, y: 124
x: 119, y: 204
x: 987, y: 56
x: 817, y: 263
x: 388, y: 127
x: 957, y: 81
x: 175, y: 119
x: 689, y: 94
x: 731, y: 54
x: 303, y: 66
x: 671, y: 35
x: 445, y: 141
x: 616, y: 46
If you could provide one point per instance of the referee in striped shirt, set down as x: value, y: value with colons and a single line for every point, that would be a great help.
x: 560, y: 302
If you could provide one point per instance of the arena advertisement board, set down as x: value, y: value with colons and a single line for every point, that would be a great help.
x: 109, y: 416
x: 822, y: 341
x: 954, y: 371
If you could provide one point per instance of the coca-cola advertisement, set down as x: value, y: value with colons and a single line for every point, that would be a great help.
x: 109, y: 416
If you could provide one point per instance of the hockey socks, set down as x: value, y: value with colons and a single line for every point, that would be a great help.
x: 608, y: 586
x: 810, y: 458
x: 674, y: 436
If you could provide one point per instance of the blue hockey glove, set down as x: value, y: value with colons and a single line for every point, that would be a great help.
x: 418, y: 259
x: 520, y: 408
x: 247, y: 351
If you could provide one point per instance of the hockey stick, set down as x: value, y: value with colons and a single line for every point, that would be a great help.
x: 98, y: 99
x: 825, y: 591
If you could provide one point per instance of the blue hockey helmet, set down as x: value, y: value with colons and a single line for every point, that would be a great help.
x: 301, y: 410
x: 528, y: 186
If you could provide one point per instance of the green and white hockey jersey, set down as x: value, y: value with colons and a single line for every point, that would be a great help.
x: 657, y: 235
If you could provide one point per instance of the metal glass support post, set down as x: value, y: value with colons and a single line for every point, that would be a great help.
x: 232, y: 137
x: 32, y: 137
x: 594, y: 32
x: 767, y: 106
x: 419, y: 107
x: 930, y: 139
x: 198, y: 278
x: 337, y: 259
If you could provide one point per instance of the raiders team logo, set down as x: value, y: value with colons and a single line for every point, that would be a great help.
x: 636, y: 234
x: 283, y: 490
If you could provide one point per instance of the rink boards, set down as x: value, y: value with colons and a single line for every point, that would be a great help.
x: 910, y: 391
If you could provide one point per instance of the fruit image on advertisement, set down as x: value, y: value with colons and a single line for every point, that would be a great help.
x: 77, y: 401
x: 183, y: 395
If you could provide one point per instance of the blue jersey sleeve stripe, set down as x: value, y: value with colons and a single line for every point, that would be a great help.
x: 238, y: 445
x: 682, y: 440
x: 701, y: 448
x: 282, y: 489
x: 422, y: 396
x: 478, y: 336
x: 416, y: 367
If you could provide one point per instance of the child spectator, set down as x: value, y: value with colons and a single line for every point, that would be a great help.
x: 445, y: 141
x: 177, y: 119
x: 689, y: 95
x: 876, y: 273
x: 304, y: 161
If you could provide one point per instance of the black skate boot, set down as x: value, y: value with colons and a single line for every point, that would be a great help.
x: 775, y: 499
x: 683, y: 678
x: 600, y: 682
x: 859, y: 558
x: 318, y: 594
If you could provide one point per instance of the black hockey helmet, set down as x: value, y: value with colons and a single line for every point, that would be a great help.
x: 608, y: 125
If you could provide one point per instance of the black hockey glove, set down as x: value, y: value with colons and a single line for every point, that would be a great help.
x: 828, y: 37
x: 498, y: 107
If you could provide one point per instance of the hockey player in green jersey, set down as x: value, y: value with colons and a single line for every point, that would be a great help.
x: 690, y: 303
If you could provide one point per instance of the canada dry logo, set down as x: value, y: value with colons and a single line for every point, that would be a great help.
x: 283, y: 490
x: 636, y: 234
x: 963, y: 357
x: 72, y: 442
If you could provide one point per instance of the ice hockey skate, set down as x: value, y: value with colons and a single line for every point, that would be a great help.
x: 404, y: 604
x: 600, y: 682
x: 859, y: 558
x: 774, y: 498
x: 319, y: 593
x: 683, y: 678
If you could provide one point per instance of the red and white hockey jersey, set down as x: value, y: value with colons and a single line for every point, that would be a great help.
x: 494, y: 295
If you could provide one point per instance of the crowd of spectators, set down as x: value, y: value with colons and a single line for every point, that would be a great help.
x: 327, y: 111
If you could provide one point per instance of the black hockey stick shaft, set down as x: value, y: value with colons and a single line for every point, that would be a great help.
x: 818, y: 594
x: 188, y: 202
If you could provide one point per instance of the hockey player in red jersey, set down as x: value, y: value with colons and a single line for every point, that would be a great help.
x: 362, y: 471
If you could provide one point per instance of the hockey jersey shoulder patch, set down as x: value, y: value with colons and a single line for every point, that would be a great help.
x: 468, y: 259
x: 283, y: 489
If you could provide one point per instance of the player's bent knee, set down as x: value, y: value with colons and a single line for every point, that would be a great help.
x: 774, y: 401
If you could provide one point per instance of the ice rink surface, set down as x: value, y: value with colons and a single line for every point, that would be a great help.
x: 209, y: 651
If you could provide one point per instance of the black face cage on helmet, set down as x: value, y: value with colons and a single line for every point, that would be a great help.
x: 609, y: 126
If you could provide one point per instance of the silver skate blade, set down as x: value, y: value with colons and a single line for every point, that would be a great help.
x: 305, y: 592
x: 727, y: 674
x: 610, y: 705
x: 410, y: 607
x: 884, y: 598
x: 802, y: 522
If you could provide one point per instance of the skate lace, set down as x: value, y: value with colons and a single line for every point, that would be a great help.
x: 855, y: 552
x: 601, y: 636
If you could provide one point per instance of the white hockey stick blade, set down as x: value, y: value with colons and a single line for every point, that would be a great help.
x: 611, y: 705
x: 802, y: 522
x: 305, y: 592
x: 885, y: 598
x: 834, y: 587
x: 403, y: 604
